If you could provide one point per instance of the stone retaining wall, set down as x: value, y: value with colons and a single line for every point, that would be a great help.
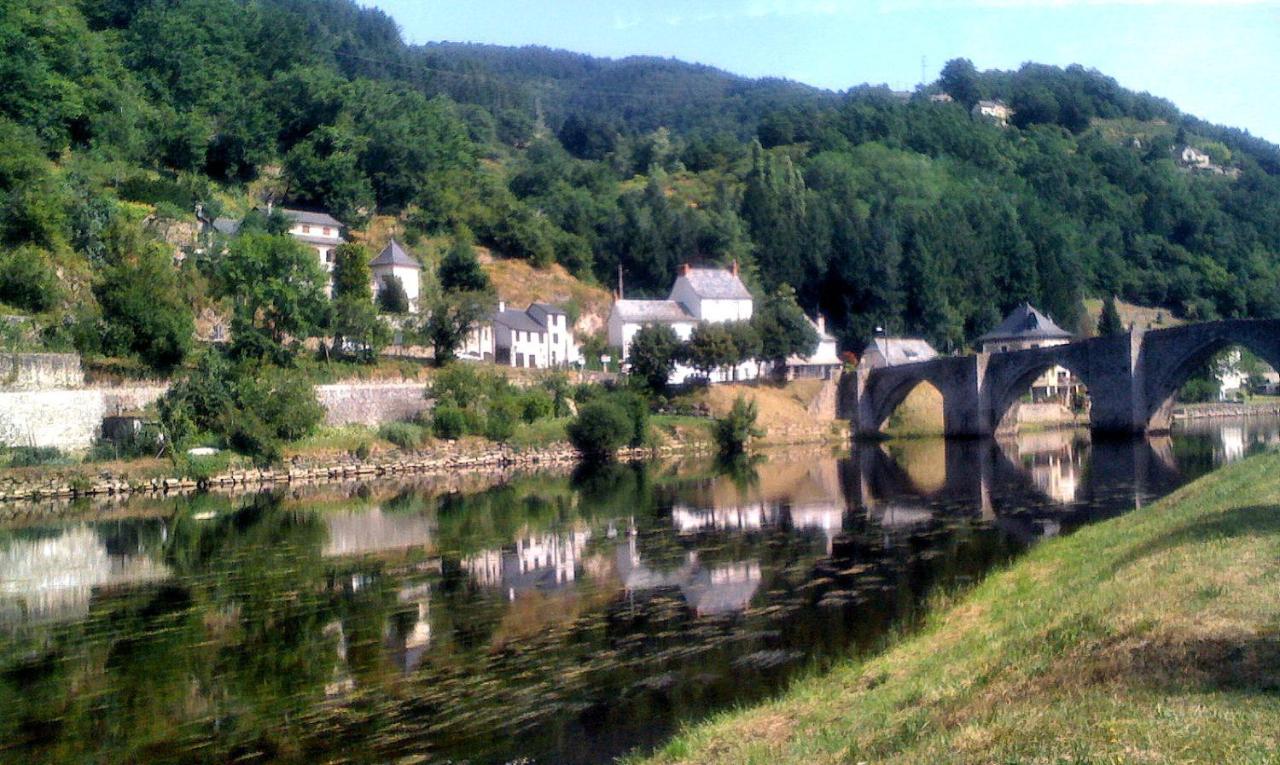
x: 39, y: 371
x: 371, y: 403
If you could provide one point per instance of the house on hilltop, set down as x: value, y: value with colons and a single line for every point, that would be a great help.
x: 996, y: 111
x: 318, y: 230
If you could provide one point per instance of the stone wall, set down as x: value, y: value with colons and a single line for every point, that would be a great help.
x: 371, y: 403
x: 71, y: 418
x: 39, y: 371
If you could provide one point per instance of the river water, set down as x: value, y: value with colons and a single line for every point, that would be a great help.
x: 550, y: 619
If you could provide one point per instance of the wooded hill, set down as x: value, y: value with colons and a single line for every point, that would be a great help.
x: 880, y: 208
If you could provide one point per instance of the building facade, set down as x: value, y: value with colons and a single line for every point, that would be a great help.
x: 394, y: 262
x: 538, y: 337
x: 1024, y: 328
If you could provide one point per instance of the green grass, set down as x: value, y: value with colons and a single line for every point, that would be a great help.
x: 540, y: 433
x: 1153, y: 637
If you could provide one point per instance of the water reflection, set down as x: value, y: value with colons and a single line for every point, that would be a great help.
x: 564, y: 619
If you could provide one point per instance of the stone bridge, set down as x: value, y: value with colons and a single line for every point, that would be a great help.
x: 1132, y: 378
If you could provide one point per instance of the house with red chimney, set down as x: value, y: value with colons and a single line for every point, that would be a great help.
x: 700, y: 294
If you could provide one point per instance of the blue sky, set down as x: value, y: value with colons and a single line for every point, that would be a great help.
x: 1218, y: 60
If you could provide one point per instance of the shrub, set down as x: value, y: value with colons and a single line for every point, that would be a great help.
x: 31, y: 456
x: 406, y: 435
x: 500, y: 424
x: 448, y: 422
x: 600, y: 429
x: 27, y: 279
x: 536, y: 405
x: 203, y: 467
x: 736, y: 428
x: 636, y: 407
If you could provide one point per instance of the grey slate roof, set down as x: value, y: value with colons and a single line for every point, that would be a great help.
x: 716, y: 284
x: 542, y: 311
x: 394, y: 255
x: 901, y: 350
x: 228, y: 226
x: 1026, y: 323
x: 515, y: 319
x: 657, y: 311
x: 313, y: 218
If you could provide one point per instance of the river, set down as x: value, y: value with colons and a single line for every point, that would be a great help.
x: 552, y: 619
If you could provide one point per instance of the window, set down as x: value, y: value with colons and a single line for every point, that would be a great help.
x: 306, y: 229
x: 326, y: 231
x: 328, y: 255
x: 555, y: 339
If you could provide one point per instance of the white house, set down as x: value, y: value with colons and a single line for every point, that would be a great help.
x: 539, y: 337
x: 891, y: 351
x: 823, y: 363
x: 393, y: 261
x: 1193, y: 157
x: 1025, y: 328
x: 320, y: 231
x: 997, y: 111
x: 699, y: 295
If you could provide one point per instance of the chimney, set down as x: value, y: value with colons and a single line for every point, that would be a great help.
x: 684, y: 269
x: 822, y: 324
x: 734, y: 267
x: 502, y: 306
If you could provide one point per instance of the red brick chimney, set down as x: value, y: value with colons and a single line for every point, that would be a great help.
x: 684, y: 269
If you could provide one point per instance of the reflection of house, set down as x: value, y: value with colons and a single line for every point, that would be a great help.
x: 746, y: 517
x: 824, y: 517
x: 892, y: 351
x: 408, y: 635
x: 394, y: 263
x: 718, y: 589
x: 365, y: 532
x: 1026, y: 328
x: 54, y: 577
x: 540, y: 561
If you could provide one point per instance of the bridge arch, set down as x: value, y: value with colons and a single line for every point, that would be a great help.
x: 1170, y: 357
x: 1010, y: 375
x: 891, y: 396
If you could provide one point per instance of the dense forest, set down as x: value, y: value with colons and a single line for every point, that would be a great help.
x: 880, y: 208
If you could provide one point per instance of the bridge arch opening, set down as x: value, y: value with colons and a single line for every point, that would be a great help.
x: 1044, y: 394
x: 915, y: 408
x: 1221, y: 370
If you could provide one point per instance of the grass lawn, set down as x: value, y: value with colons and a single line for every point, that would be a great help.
x: 1150, y: 638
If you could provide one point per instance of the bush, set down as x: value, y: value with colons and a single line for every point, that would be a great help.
x: 448, y: 422
x: 500, y: 425
x: 636, y: 407
x: 738, y: 427
x: 536, y: 405
x: 27, y: 279
x: 406, y: 435
x: 32, y: 456
x: 600, y: 429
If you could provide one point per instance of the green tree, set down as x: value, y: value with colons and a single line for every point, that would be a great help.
x: 449, y: 319
x: 276, y: 289
x: 783, y: 328
x: 599, y: 430
x: 27, y: 279
x: 1109, y: 323
x: 653, y: 354
x: 959, y: 79
x: 391, y: 295
x: 736, y: 429
x: 351, y: 275
x: 144, y: 310
x: 710, y: 347
x: 460, y: 269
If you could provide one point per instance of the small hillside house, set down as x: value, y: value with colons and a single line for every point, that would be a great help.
x: 394, y: 262
x: 825, y: 361
x: 319, y: 231
x: 996, y: 111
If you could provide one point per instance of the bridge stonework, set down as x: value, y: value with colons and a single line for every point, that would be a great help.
x: 1131, y: 378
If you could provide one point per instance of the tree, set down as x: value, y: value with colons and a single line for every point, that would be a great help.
x: 358, y: 330
x: 144, y: 311
x: 460, y: 269
x: 710, y: 347
x: 391, y: 295
x: 653, y: 353
x: 351, y: 276
x: 449, y: 319
x: 783, y: 328
x: 599, y: 430
x: 276, y: 288
x: 747, y: 344
x: 1109, y: 323
x: 959, y: 79
x: 738, y: 427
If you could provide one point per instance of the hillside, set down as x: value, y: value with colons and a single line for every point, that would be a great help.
x: 882, y: 209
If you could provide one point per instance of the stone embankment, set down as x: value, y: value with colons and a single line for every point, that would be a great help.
x: 450, y: 460
x: 1201, y: 411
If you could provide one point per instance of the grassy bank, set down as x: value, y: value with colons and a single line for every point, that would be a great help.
x: 1154, y: 637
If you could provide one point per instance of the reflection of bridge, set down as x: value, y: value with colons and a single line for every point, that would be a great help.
x: 997, y: 477
x: 1131, y: 378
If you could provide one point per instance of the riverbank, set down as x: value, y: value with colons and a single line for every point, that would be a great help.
x: 1152, y: 637
x: 1225, y: 409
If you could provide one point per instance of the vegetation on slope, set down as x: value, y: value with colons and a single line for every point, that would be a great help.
x: 1154, y: 637
x: 878, y: 208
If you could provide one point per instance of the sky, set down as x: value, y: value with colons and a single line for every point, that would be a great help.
x: 1216, y: 59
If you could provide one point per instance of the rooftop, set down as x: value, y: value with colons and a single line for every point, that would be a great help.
x: 308, y: 216
x: 394, y: 255
x: 659, y: 311
x: 1025, y: 322
x: 715, y: 283
x: 516, y: 319
x: 901, y: 350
